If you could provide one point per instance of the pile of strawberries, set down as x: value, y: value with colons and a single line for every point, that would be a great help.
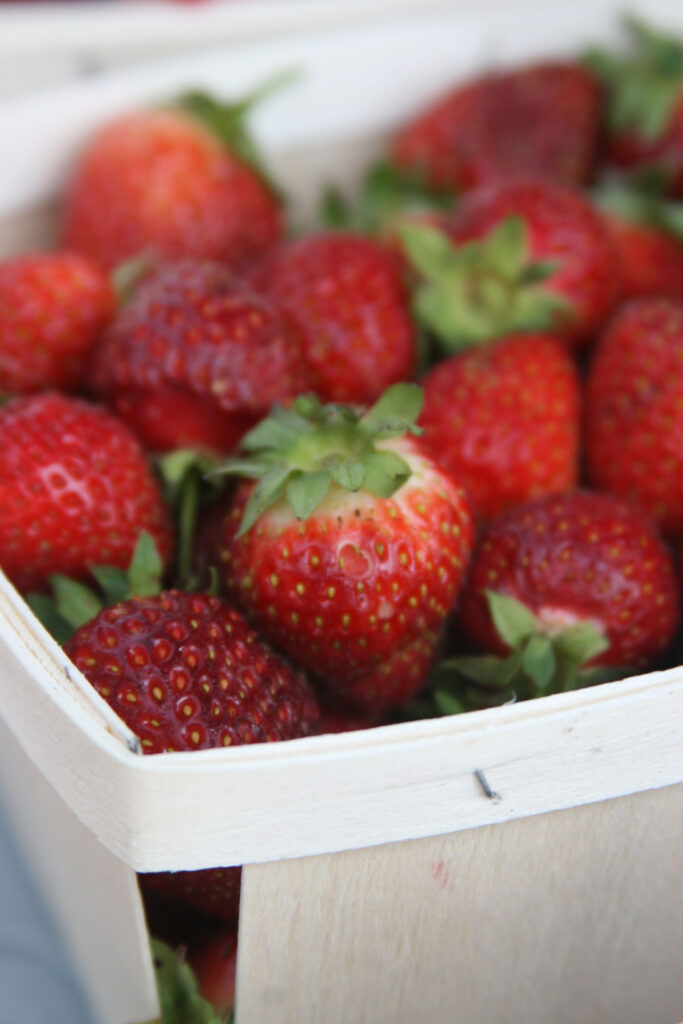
x: 224, y: 489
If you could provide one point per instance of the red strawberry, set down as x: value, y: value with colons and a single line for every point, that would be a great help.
x: 566, y: 583
x: 540, y: 121
x: 75, y: 491
x: 635, y: 409
x: 196, y: 358
x: 213, y: 891
x: 527, y: 257
x: 504, y: 420
x: 648, y: 235
x: 186, y: 672
x: 214, y: 960
x: 171, y: 183
x: 346, y: 297
x: 52, y: 308
x: 352, y: 547
x: 645, y: 104
x: 333, y: 721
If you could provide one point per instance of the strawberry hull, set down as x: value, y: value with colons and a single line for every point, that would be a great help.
x: 555, y: 820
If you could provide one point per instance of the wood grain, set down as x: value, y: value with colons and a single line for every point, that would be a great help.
x: 575, y: 916
x: 93, y: 896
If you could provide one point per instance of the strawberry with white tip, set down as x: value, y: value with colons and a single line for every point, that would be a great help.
x: 350, y: 550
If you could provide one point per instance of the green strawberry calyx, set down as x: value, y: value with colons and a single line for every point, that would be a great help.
x: 188, y: 486
x: 643, y: 86
x: 482, y: 290
x: 72, y: 604
x: 298, y: 453
x: 228, y: 121
x: 387, y: 194
x: 179, y: 996
x: 642, y: 208
x: 541, y: 661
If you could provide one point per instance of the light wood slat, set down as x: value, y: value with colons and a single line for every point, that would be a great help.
x: 569, y: 917
x: 93, y: 896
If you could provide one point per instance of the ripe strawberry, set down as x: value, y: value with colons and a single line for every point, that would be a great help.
x: 540, y: 121
x: 563, y: 584
x: 635, y: 409
x: 645, y: 105
x: 75, y: 491
x: 186, y: 672
x: 213, y: 891
x: 527, y: 257
x: 172, y: 183
x: 53, y: 306
x: 648, y: 236
x: 345, y: 295
x: 196, y: 358
x: 352, y: 545
x: 214, y: 960
x: 504, y: 421
x: 334, y: 721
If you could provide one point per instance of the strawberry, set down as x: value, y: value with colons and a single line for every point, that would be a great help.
x: 214, y: 960
x: 213, y: 891
x: 186, y: 672
x: 515, y: 257
x: 352, y: 544
x: 504, y: 420
x: 53, y: 306
x: 565, y: 584
x: 173, y: 183
x: 75, y: 491
x: 645, y: 105
x: 539, y: 121
x: 634, y: 414
x: 345, y: 295
x: 648, y: 236
x: 196, y: 358
x: 333, y: 721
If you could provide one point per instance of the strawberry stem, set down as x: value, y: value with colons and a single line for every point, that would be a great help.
x: 540, y: 662
x: 481, y: 290
x: 227, y: 121
x: 72, y: 604
x: 643, y: 86
x: 301, y: 452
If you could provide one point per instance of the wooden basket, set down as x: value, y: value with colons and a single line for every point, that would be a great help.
x: 521, y: 864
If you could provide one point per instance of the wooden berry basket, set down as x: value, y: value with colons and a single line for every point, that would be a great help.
x: 516, y: 864
x: 50, y: 41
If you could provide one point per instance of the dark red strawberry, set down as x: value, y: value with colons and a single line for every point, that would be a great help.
x: 75, y: 491
x: 504, y: 421
x: 648, y: 236
x: 645, y: 105
x: 213, y: 891
x: 346, y: 297
x: 540, y: 121
x: 186, y: 672
x: 172, y: 183
x: 515, y: 257
x: 334, y: 721
x: 196, y: 358
x: 53, y: 306
x: 565, y: 584
x: 352, y: 545
x: 635, y: 409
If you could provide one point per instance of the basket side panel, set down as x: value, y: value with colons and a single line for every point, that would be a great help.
x: 93, y: 896
x: 565, y: 917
